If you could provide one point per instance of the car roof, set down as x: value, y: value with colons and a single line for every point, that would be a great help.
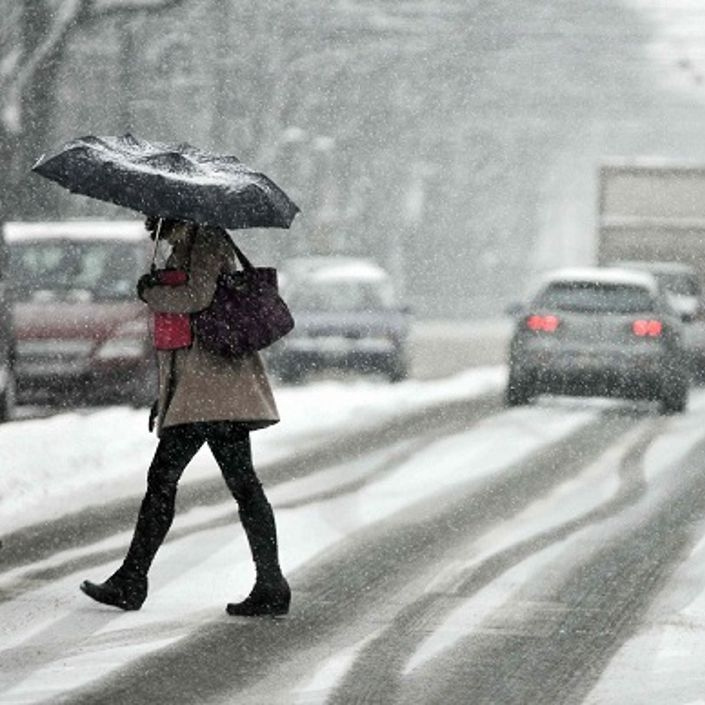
x: 126, y: 230
x: 657, y: 267
x: 326, y: 268
x: 602, y: 275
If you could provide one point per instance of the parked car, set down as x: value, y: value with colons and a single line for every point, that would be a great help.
x: 81, y: 332
x: 7, y: 341
x: 347, y: 316
x: 599, y: 332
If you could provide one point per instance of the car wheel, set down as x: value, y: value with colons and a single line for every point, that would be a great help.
x: 674, y: 399
x: 8, y: 398
x: 518, y: 391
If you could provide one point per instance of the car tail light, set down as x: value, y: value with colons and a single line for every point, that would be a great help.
x: 647, y: 328
x: 544, y: 324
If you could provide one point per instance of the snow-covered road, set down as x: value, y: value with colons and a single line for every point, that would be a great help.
x: 404, y: 560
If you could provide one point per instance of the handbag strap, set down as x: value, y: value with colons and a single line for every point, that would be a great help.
x: 239, y: 254
x: 246, y: 264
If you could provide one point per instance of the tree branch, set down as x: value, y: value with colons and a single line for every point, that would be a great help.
x: 32, y: 58
x: 101, y: 9
x: 69, y: 15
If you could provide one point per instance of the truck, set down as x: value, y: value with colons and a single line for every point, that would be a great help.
x: 653, y: 212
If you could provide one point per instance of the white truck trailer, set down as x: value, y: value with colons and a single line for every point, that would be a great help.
x: 654, y: 211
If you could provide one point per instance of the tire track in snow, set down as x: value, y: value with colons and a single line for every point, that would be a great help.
x: 379, y: 673
x: 46, y: 645
x: 555, y: 656
x: 352, y: 584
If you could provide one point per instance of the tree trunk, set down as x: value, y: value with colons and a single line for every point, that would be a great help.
x: 38, y: 109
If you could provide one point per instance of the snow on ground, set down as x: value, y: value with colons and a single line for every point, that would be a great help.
x: 662, y: 663
x: 73, y: 460
x: 63, y: 641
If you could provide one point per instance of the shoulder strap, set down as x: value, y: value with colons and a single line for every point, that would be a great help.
x: 239, y: 254
x: 246, y: 264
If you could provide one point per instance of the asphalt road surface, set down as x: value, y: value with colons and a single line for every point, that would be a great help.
x: 530, y: 576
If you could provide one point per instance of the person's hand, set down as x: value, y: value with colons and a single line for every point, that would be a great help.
x: 146, y: 281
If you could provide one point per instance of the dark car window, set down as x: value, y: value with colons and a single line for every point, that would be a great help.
x: 681, y: 284
x: 596, y: 298
x: 339, y: 296
x: 104, y: 270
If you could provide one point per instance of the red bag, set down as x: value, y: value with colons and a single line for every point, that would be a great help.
x: 171, y: 331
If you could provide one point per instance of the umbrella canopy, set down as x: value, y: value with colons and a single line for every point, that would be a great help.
x: 169, y: 181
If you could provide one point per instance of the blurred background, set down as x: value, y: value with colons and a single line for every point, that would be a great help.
x: 456, y: 142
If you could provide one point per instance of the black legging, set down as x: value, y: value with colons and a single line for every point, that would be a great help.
x: 230, y: 445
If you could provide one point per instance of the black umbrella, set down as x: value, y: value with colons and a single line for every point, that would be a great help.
x: 169, y: 181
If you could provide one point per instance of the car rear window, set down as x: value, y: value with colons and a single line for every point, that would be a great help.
x: 596, y: 297
x: 87, y: 270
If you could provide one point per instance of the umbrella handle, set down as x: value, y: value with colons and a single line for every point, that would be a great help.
x: 153, y: 266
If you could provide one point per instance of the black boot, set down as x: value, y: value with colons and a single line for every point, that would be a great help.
x: 266, y: 600
x: 271, y: 594
x: 123, y: 591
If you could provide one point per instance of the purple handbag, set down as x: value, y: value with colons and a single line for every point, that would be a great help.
x: 246, y: 313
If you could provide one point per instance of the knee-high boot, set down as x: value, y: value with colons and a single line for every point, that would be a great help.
x: 127, y: 587
x: 153, y: 523
x: 271, y: 594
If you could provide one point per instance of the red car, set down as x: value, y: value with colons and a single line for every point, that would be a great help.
x: 81, y: 332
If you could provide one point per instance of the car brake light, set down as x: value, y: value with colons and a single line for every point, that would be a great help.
x: 545, y: 324
x: 647, y: 328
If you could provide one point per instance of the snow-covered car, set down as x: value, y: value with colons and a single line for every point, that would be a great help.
x: 599, y: 332
x: 7, y: 341
x: 347, y: 317
x: 81, y: 332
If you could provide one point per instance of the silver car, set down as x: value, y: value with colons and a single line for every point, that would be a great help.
x: 599, y: 332
x: 682, y: 285
x: 347, y: 317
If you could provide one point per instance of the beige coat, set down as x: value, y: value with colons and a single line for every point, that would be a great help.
x: 206, y: 387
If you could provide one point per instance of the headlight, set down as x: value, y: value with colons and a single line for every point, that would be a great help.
x: 127, y: 341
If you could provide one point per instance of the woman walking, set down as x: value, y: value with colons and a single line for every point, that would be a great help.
x: 203, y: 398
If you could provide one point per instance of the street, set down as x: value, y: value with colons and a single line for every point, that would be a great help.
x: 454, y: 548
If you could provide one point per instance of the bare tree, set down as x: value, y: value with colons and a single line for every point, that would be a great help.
x: 33, y: 39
